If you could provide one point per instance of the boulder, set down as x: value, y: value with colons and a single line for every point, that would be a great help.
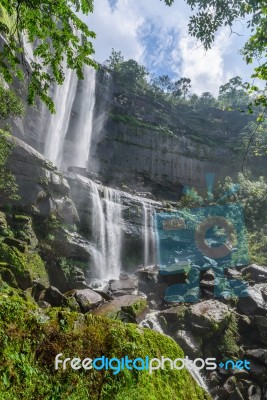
x: 256, y: 300
x: 175, y: 318
x: 66, y: 211
x: 255, y: 273
x: 76, y: 279
x: 208, y: 317
x: 261, y: 324
x: 128, y: 308
x: 54, y: 297
x: 258, y: 354
x: 123, y: 287
x: 72, y: 245
x: 87, y: 298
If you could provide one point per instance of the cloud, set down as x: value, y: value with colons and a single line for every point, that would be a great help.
x: 157, y: 36
x: 158, y: 43
x: 113, y: 4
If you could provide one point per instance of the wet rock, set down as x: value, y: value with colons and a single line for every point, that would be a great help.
x: 175, y: 318
x: 190, y: 343
x: 256, y: 300
x: 123, y: 287
x: 72, y: 245
x: 129, y: 308
x: 261, y: 324
x: 255, y: 273
x: 208, y: 275
x: 87, y: 298
x: 208, y: 317
x: 66, y: 211
x: 54, y: 297
x: 254, y: 393
x: 76, y: 279
x: 259, y: 355
x: 43, y: 304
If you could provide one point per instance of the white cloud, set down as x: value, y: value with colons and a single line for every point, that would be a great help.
x: 122, y: 27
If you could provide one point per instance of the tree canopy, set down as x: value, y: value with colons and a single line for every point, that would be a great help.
x: 56, y: 34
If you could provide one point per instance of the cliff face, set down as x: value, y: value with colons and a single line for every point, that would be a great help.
x: 143, y: 138
x: 140, y: 140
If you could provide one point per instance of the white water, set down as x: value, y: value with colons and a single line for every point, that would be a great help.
x: 107, y: 232
x: 151, y: 321
x: 149, y: 236
x: 81, y: 151
x: 57, y: 127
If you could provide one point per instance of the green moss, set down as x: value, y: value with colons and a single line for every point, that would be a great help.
x: 25, y: 266
x: 28, y: 351
x: 137, y: 308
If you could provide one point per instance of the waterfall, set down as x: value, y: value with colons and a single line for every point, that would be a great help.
x: 151, y: 321
x: 114, y: 231
x: 84, y: 125
x: 56, y: 148
x: 107, y: 232
x: 149, y: 237
x: 57, y: 127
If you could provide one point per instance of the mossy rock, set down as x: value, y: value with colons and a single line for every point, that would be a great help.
x: 27, y: 363
x: 24, y: 230
x: 18, y: 244
x: 26, y: 267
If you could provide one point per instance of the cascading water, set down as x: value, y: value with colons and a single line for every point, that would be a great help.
x: 107, y: 232
x: 56, y: 129
x: 59, y: 123
x: 149, y: 237
x: 113, y: 231
x: 80, y: 149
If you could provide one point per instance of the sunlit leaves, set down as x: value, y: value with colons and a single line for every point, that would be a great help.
x: 56, y: 34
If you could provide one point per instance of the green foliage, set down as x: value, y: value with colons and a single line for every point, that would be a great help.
x: 10, y: 104
x: 115, y: 60
x: 254, y: 138
x: 233, y: 94
x: 23, y: 265
x: 30, y: 340
x: 55, y: 32
x: 228, y: 345
x: 8, y: 186
x: 211, y: 15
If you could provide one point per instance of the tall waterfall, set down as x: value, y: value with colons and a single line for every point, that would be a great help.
x: 59, y: 123
x: 107, y: 232
x: 149, y: 236
x: 84, y: 124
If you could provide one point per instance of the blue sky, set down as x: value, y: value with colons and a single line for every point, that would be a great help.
x: 156, y: 36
